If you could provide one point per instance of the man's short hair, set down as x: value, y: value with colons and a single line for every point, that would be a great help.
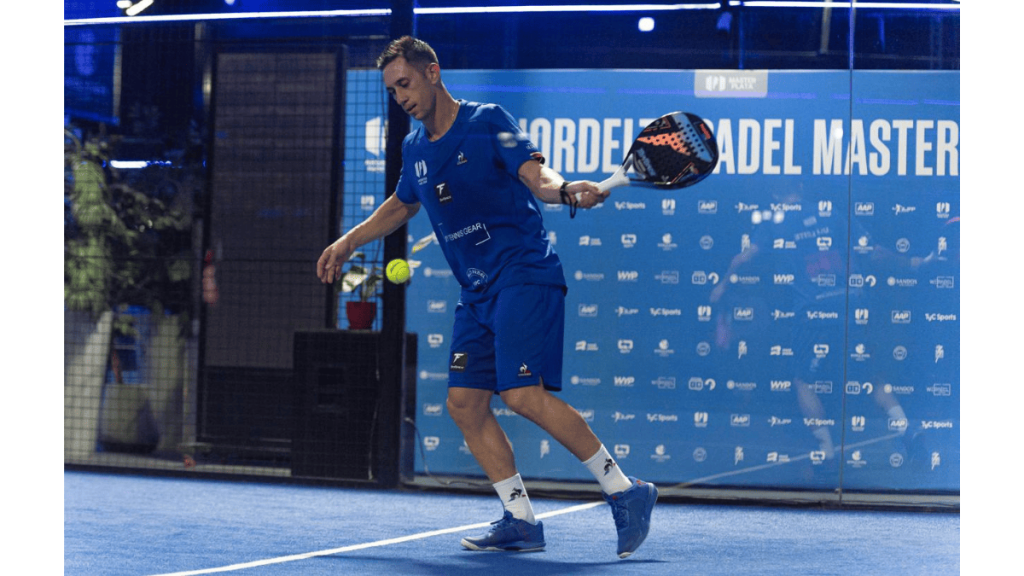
x: 415, y: 51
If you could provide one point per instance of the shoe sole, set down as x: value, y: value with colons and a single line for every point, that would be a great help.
x: 650, y: 507
x: 516, y: 547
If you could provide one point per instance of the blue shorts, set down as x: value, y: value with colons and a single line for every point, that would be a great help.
x: 511, y: 341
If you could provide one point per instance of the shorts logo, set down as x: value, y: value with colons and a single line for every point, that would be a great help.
x: 444, y: 194
x: 524, y: 372
x: 459, y: 360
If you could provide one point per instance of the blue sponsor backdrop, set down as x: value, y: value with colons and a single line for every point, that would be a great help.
x: 790, y: 322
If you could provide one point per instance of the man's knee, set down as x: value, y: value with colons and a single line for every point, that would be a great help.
x: 528, y: 401
x: 467, y: 405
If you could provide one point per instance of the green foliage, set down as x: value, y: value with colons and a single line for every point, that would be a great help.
x: 122, y: 247
x: 359, y: 278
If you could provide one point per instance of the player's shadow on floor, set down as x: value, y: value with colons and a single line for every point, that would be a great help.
x: 471, y: 563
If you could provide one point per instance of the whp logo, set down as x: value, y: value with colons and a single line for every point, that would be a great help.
x: 624, y: 381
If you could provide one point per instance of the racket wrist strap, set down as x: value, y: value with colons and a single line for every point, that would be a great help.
x: 567, y: 199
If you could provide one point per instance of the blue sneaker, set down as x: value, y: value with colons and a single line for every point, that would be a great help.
x: 509, y: 535
x: 631, y: 509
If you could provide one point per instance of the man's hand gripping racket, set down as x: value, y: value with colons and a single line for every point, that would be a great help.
x: 675, y: 151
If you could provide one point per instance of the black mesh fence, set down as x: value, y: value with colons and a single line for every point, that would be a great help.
x: 204, y: 175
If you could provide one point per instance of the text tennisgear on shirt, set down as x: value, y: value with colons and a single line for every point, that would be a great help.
x: 472, y: 228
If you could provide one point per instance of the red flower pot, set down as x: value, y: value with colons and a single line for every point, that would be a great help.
x: 360, y: 314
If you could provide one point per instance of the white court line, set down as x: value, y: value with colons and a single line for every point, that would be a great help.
x: 791, y: 460
x: 354, y: 547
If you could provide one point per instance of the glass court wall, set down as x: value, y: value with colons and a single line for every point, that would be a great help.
x: 791, y: 324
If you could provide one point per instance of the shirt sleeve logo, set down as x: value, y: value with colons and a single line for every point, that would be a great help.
x: 421, y: 171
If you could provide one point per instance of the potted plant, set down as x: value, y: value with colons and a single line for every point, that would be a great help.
x: 125, y: 252
x: 365, y: 282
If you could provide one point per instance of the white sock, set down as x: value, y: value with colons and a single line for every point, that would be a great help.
x: 607, y: 472
x: 513, y: 497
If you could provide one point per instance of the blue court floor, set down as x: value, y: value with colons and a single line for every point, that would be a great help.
x: 138, y: 525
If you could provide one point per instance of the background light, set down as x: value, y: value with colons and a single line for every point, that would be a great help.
x: 137, y: 8
x: 646, y: 24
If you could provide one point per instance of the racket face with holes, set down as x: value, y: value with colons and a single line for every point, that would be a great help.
x: 674, y: 151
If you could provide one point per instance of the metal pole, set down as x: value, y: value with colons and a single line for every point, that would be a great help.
x: 393, y: 394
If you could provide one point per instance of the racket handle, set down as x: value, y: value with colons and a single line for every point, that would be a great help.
x: 616, y: 180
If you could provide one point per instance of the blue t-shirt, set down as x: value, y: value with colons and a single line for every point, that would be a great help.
x: 487, y: 221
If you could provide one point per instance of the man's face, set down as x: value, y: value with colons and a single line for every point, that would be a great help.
x: 411, y: 88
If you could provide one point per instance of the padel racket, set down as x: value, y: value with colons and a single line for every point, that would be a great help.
x: 675, y: 151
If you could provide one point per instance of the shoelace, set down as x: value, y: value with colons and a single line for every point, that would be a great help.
x: 620, y: 514
x: 502, y: 522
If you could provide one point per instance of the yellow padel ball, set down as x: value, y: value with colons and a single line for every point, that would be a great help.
x: 398, y: 271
